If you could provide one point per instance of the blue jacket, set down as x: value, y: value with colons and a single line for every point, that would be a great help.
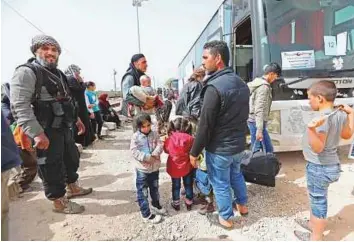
x: 91, y: 98
x: 10, y: 156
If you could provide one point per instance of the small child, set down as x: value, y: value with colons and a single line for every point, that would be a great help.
x: 147, y: 148
x: 144, y: 91
x: 321, y: 139
x: 204, y: 186
x: 177, y: 146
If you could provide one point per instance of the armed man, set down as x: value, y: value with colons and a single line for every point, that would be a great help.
x: 43, y: 106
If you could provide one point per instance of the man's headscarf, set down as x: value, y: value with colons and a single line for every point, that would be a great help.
x: 136, y: 57
x: 72, y: 70
x: 41, y: 40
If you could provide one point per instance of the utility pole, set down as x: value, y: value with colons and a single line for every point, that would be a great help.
x: 137, y: 4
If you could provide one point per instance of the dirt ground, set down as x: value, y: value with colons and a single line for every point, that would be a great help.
x: 112, y: 213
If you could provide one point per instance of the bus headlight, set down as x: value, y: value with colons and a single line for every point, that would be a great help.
x: 274, y: 124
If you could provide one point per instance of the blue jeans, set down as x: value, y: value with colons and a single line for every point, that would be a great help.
x: 224, y: 173
x: 266, y: 138
x: 319, y: 177
x: 202, y: 182
x: 145, y: 182
x: 188, y: 186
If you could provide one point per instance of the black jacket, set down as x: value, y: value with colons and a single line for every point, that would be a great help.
x: 188, y: 105
x: 130, y: 78
x: 10, y: 156
x: 223, y: 120
x: 78, y: 92
x: 5, y: 103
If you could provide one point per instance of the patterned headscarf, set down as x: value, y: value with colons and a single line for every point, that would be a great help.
x: 41, y: 40
x: 72, y: 70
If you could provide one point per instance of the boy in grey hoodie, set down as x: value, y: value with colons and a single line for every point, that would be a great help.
x: 260, y: 103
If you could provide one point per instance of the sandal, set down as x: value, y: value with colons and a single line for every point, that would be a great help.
x: 214, y: 219
x: 303, y: 223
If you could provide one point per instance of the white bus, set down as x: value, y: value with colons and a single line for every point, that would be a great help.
x: 311, y: 39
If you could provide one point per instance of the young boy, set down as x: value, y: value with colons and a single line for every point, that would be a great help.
x: 204, y: 186
x: 147, y: 148
x: 320, y: 150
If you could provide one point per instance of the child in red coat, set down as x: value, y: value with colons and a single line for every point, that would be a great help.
x: 177, y: 146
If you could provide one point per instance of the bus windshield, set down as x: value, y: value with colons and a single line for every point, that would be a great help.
x: 313, y: 38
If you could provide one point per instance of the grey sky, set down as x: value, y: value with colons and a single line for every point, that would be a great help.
x: 101, y: 34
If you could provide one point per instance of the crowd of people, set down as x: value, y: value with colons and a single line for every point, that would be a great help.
x: 49, y: 110
x: 207, y: 145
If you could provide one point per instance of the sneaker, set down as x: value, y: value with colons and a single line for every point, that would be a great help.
x: 176, y: 205
x: 153, y: 218
x: 188, y: 203
x: 200, y: 200
x: 159, y: 209
x: 74, y: 190
x: 64, y: 205
x: 209, y: 208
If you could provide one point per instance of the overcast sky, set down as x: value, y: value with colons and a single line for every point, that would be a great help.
x: 99, y: 35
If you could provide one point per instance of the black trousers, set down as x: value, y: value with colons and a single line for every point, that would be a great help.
x: 97, y: 123
x: 58, y: 165
x: 110, y: 118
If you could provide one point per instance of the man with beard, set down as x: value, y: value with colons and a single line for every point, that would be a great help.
x: 78, y: 87
x: 39, y: 84
x: 222, y: 132
x: 137, y: 68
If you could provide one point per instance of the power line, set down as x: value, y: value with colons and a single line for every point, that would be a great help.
x: 26, y: 19
x: 32, y: 24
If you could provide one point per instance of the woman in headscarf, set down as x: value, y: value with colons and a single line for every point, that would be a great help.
x: 108, y: 113
x: 78, y: 87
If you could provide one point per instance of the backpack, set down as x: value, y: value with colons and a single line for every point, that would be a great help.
x: 40, y: 80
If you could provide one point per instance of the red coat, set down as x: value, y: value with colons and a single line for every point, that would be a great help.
x: 178, y: 146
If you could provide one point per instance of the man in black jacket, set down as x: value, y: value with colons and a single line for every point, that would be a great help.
x: 39, y: 83
x: 222, y: 130
x: 137, y: 68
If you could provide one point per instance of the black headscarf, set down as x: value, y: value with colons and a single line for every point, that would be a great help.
x: 137, y: 73
x: 136, y: 57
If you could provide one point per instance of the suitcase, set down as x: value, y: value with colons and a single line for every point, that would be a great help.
x: 262, y: 168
